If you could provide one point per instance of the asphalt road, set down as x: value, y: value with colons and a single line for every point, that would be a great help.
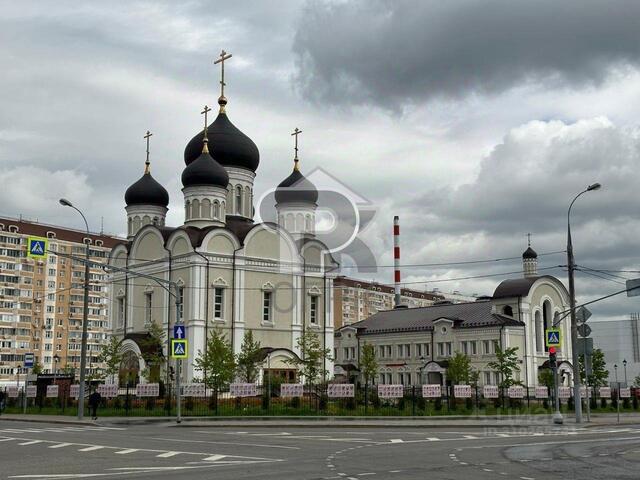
x: 50, y: 451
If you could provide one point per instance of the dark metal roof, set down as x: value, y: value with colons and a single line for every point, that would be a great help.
x: 146, y: 191
x: 296, y: 189
x: 228, y: 145
x: 204, y: 170
x: 464, y: 315
x: 529, y: 253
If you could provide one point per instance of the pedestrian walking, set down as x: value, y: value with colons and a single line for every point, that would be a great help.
x: 94, y: 401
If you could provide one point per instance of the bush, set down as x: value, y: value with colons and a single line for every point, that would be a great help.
x: 468, y: 403
x: 626, y: 403
x: 350, y: 404
x: 375, y: 400
x: 188, y: 403
x: 545, y: 403
x: 438, y: 404
x: 603, y: 402
x: 295, y: 402
x: 323, y: 402
x: 635, y: 402
x: 421, y: 403
x: 571, y: 404
x: 150, y: 403
x: 401, y: 403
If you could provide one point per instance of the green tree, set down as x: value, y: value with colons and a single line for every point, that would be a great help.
x: 459, y: 369
x: 599, y: 374
x: 111, y: 357
x: 217, y: 363
x: 249, y: 358
x: 545, y: 377
x: 506, y: 364
x: 368, y: 364
x: 37, y: 367
x: 151, y: 348
x: 310, y: 365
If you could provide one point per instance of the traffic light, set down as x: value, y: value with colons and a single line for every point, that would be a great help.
x: 552, y: 357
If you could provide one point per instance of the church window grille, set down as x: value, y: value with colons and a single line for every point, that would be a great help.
x: 218, y: 302
x: 148, y: 313
x: 313, y: 310
x: 267, y: 313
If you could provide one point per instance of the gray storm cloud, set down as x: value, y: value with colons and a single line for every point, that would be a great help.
x: 389, y: 53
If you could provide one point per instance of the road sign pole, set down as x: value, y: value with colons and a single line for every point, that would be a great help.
x: 178, y: 361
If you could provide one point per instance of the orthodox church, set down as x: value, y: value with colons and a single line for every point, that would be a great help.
x: 233, y: 274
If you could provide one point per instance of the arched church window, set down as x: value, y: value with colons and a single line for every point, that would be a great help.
x: 507, y: 310
x: 307, y: 221
x: 239, y: 200
x: 206, y: 208
x: 216, y: 209
x: 299, y: 222
x: 195, y: 209
x: 187, y: 209
x: 538, y: 331
x: 547, y: 319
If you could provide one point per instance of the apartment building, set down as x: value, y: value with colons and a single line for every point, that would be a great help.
x: 356, y: 300
x: 41, y: 301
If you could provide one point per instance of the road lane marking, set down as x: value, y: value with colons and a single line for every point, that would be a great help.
x: 127, y: 451
x: 214, y: 458
x: 30, y: 442
x: 91, y: 449
x: 286, y: 447
x: 168, y: 454
x: 60, y: 445
x: 396, y: 440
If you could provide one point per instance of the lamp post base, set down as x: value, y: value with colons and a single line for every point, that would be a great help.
x: 557, y: 418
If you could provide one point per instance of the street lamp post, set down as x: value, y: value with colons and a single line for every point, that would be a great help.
x: 624, y: 364
x: 615, y: 368
x: 56, y: 359
x: 85, y: 314
x: 572, y: 306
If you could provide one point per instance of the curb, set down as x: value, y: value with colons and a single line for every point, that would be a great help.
x: 49, y: 420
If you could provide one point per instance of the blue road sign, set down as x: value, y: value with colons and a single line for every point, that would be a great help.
x: 179, y: 348
x: 37, y: 247
x: 553, y: 337
x: 179, y: 332
x: 28, y: 360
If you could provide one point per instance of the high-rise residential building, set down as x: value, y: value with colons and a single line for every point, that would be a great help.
x: 356, y: 300
x: 41, y: 301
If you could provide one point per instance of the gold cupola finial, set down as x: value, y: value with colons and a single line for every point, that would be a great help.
x: 222, y: 100
x: 295, y: 134
x: 205, y: 140
x: 147, y: 163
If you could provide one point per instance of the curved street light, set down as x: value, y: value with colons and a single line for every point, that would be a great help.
x: 572, y: 306
x: 83, y: 349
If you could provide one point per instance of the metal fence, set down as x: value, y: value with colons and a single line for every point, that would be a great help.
x: 315, y: 401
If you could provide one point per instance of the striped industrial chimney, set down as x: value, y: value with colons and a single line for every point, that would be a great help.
x: 396, y: 258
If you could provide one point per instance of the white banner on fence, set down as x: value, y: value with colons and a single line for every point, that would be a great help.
x: 74, y: 391
x: 32, y: 391
x: 542, y: 392
x: 391, y: 391
x: 516, y: 391
x: 194, y: 390
x: 462, y: 391
x: 433, y: 390
x: 109, y: 390
x: 490, y: 391
x: 243, y: 390
x: 12, y: 391
x: 583, y: 392
x: 147, y: 390
x: 564, y: 392
x: 625, y: 393
x: 291, y: 390
x: 52, y: 391
x: 340, y: 390
x: 605, y: 392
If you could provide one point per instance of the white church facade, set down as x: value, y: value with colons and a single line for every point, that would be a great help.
x: 233, y: 274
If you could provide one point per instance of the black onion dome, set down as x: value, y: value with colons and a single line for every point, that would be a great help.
x: 529, y: 253
x: 146, y: 191
x: 296, y: 189
x: 228, y: 145
x: 204, y: 170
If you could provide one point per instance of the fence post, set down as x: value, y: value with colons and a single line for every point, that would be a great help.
x: 413, y: 398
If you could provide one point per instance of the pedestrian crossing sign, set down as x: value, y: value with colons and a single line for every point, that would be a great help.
x: 553, y: 337
x: 179, y: 348
x: 37, y: 247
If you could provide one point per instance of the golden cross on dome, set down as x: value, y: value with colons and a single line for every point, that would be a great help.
x: 147, y: 163
x: 223, y: 56
x: 205, y: 140
x: 529, y: 239
x: 295, y: 134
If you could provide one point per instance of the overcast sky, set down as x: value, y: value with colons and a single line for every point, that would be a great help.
x: 475, y: 121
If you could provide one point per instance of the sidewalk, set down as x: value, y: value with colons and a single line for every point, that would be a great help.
x: 514, y: 421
